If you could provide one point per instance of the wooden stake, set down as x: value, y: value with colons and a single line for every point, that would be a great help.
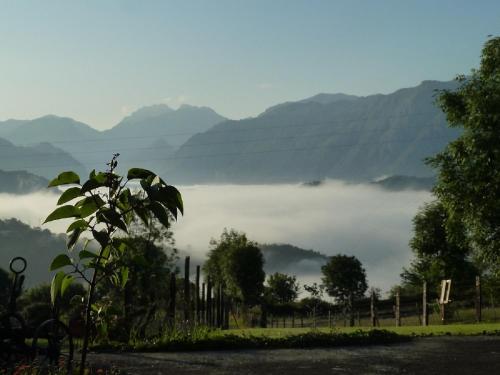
x: 197, y: 296
x: 209, y: 304
x: 187, y: 297
x: 397, y: 310
x: 478, y: 299
x: 425, y: 313
x: 372, y: 309
x: 202, y: 307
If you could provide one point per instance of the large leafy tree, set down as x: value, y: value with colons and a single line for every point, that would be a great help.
x: 440, y: 247
x: 282, y: 288
x: 468, y: 173
x: 104, y: 209
x: 344, y: 278
x: 238, y: 264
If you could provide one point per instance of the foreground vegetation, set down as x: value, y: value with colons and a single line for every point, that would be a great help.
x: 432, y: 330
x: 287, y: 338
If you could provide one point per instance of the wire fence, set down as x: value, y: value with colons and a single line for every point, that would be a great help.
x: 471, y: 301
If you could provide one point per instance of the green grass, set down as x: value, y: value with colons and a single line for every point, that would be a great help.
x: 434, y: 330
x: 274, y: 338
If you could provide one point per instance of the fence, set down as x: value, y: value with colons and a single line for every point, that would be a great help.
x: 202, y: 303
x: 470, y: 302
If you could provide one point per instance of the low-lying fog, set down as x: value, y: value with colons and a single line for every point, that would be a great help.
x: 362, y: 220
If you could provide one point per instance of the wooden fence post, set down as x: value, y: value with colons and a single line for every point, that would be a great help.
x: 202, y: 304
x: 215, y: 306
x: 209, y: 303
x: 171, y: 305
x: 221, y: 307
x: 187, y: 297
x: 478, y: 299
x: 425, y: 312
x: 372, y: 309
x: 227, y: 308
x: 398, y: 308
x: 197, y: 296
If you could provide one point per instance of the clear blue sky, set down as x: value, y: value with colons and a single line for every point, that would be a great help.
x: 96, y: 61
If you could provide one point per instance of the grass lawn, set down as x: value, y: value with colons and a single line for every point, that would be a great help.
x: 438, y: 330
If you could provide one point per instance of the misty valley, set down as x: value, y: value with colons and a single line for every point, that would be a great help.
x: 249, y: 187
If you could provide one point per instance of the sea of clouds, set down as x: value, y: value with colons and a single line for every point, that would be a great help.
x: 335, y: 217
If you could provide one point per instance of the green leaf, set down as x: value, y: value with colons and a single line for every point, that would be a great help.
x: 55, y: 285
x: 112, y: 217
x: 89, y: 205
x: 81, y: 223
x: 65, y: 178
x: 97, y: 181
x: 168, y: 195
x: 143, y: 215
x: 139, y: 173
x: 63, y: 212
x: 124, y: 276
x: 101, y: 237
x: 175, y: 196
x: 74, y: 237
x: 159, y: 211
x: 105, y: 254
x: 60, y: 261
x: 123, y: 246
x: 66, y: 282
x: 85, y: 254
x: 68, y: 195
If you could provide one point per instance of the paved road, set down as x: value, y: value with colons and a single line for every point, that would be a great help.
x: 438, y: 355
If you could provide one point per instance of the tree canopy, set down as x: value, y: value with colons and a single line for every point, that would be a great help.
x: 468, y: 175
x: 237, y: 263
x: 440, y: 247
x: 282, y: 288
x: 344, y: 278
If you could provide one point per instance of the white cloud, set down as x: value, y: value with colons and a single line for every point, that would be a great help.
x: 361, y: 220
x: 176, y: 101
x: 365, y: 221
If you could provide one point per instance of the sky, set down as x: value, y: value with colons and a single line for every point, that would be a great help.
x: 97, y: 61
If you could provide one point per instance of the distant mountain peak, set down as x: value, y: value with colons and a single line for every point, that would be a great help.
x: 325, y: 98
x: 321, y: 98
x: 153, y: 110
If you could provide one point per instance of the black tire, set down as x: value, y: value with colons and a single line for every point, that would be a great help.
x: 53, y: 345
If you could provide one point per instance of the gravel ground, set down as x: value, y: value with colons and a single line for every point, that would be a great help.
x: 437, y: 355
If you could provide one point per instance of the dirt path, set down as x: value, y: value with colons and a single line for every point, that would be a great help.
x: 439, y: 355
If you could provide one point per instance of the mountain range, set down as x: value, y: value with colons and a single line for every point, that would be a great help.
x: 41, y: 159
x: 327, y: 136
x: 21, y: 182
x: 335, y: 136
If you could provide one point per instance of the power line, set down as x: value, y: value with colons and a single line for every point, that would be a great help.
x: 267, y: 139
x: 234, y: 129
x: 257, y: 152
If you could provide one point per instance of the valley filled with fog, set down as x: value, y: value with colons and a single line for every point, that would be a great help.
x: 334, y: 217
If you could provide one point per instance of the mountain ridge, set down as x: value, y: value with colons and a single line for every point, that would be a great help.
x: 354, y: 140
